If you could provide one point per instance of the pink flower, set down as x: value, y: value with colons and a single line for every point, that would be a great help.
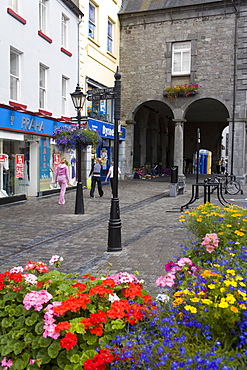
x: 5, y: 364
x: 211, y: 241
x: 123, y: 277
x: 183, y: 261
x: 167, y: 280
x: 36, y: 299
x: 169, y: 266
x: 49, y: 321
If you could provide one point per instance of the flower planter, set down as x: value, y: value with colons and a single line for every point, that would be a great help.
x: 182, y: 91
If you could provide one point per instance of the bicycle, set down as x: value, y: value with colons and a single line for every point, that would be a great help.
x: 230, y: 185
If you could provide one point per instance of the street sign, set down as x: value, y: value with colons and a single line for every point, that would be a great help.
x: 100, y: 91
x: 104, y: 96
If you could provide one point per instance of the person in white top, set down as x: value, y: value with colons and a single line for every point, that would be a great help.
x: 110, y: 174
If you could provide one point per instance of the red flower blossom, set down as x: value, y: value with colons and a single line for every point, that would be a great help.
x: 69, y: 341
x: 110, y: 282
x: 81, y: 286
x: 99, y: 361
x: 2, y: 286
x: 16, y: 277
x: 101, y: 290
x: 72, y: 304
x: 118, y: 309
x: 133, y: 290
x: 89, y: 276
x: 97, y: 330
x: 65, y: 325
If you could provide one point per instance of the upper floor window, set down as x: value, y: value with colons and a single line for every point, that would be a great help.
x: 42, y: 86
x: 14, y: 75
x: 181, y: 58
x: 14, y: 4
x: 64, y: 31
x: 110, y: 36
x: 64, y: 94
x: 43, y: 15
x: 92, y: 21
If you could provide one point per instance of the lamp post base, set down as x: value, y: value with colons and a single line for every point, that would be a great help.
x: 114, y: 227
x: 79, y: 205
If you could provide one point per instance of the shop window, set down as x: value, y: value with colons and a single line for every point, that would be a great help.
x: 43, y: 16
x: 64, y: 31
x: 92, y: 21
x: 14, y: 74
x: 42, y: 86
x: 110, y: 36
x: 100, y: 109
x: 64, y: 95
x: 181, y: 58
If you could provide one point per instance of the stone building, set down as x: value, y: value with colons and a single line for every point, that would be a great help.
x: 181, y: 43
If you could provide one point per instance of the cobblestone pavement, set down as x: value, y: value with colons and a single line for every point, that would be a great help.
x: 151, y: 232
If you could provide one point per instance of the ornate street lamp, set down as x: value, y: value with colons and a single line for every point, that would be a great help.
x: 114, y: 227
x: 78, y: 99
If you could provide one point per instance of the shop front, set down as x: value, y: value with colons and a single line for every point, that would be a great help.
x: 105, y: 150
x: 28, y: 155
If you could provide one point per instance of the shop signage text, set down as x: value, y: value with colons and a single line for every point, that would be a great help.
x: 32, y: 124
x: 105, y: 130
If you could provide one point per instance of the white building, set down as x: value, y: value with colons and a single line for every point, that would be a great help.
x: 39, y: 68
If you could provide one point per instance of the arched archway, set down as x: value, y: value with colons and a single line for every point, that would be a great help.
x: 153, y: 135
x: 211, y: 117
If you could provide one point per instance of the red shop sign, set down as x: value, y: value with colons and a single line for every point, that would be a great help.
x: 19, y: 165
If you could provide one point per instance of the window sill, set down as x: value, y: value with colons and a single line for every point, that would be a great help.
x: 17, y: 105
x: 66, y: 52
x: 111, y: 55
x: 45, y: 113
x: 93, y: 41
x: 16, y: 16
x: 41, y: 34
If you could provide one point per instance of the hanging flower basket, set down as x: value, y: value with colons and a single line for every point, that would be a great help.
x: 173, y: 92
x: 68, y: 137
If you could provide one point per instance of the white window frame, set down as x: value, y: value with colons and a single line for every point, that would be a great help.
x: 43, y: 16
x: 64, y: 31
x: 64, y: 95
x: 181, y: 58
x: 14, y: 5
x: 92, y: 21
x: 15, y: 75
x: 42, y: 86
x: 110, y: 36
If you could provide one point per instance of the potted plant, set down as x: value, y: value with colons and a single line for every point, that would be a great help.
x: 173, y: 92
x: 68, y: 137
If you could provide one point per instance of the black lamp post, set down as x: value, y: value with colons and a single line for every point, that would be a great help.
x: 78, y: 98
x: 114, y: 228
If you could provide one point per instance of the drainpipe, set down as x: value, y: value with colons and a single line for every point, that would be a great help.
x: 234, y: 83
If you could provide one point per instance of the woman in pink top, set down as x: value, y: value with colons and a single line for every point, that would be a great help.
x: 62, y: 177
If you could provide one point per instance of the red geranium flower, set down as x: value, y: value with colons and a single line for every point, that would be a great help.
x: 69, y: 341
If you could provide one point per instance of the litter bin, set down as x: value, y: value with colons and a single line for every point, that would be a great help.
x: 174, y: 174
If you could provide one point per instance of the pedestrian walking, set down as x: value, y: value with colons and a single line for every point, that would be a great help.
x: 223, y: 166
x: 62, y: 177
x: 95, y: 173
x: 110, y: 174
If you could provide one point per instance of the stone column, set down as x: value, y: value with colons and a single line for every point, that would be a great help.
x: 143, y: 145
x: 179, y: 147
x: 239, y: 148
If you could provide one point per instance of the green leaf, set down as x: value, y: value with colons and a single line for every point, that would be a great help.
x: 6, y: 349
x: 54, y: 349
x: 43, y: 355
x: 90, y: 338
x: 7, y: 322
x: 39, y: 328
x: 62, y: 359
x: 87, y: 355
x: 19, y: 322
x: 18, y: 347
x: 75, y: 358
x: 9, y: 296
x: 19, y: 310
x: 44, y: 342
x: 29, y: 338
x: 30, y: 320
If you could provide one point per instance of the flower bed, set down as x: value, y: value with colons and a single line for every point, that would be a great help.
x: 51, y: 320
x: 173, y: 92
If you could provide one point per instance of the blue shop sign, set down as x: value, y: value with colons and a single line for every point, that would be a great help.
x: 27, y: 123
x: 104, y: 129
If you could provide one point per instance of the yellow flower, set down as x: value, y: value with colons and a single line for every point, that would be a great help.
x: 211, y: 286
x: 230, y: 299
x: 223, y: 304
x: 199, y: 220
x: 190, y: 308
x: 242, y: 306
x: 206, y: 301
x: 221, y: 233
x: 234, y: 309
x: 195, y: 300
x: 177, y: 302
x: 232, y: 272
x: 182, y: 220
x: 222, y: 290
x: 228, y: 225
x: 230, y: 282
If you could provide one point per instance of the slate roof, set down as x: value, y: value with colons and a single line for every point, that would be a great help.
x: 134, y: 6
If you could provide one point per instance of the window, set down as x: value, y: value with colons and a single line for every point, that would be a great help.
x: 14, y: 5
x: 14, y: 75
x: 64, y: 31
x: 42, y: 86
x: 91, y: 22
x: 110, y: 37
x: 181, y: 57
x: 42, y: 16
x: 100, y: 109
x: 64, y: 95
